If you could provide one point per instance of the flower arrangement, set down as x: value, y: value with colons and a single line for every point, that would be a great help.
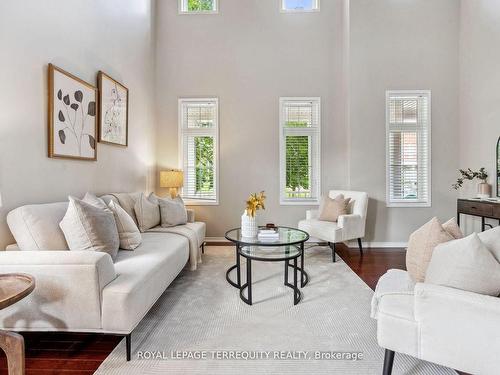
x: 255, y: 202
x: 469, y: 174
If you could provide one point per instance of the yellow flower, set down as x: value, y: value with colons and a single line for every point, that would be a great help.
x: 255, y: 202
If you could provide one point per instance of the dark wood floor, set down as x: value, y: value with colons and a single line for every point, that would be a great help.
x: 81, y: 354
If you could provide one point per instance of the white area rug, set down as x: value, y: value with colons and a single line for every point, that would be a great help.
x: 200, y: 312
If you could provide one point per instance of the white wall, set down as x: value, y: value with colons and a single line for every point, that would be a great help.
x: 402, y: 45
x: 248, y: 56
x: 82, y: 37
x: 479, y: 90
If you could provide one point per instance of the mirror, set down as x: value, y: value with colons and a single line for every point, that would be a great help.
x: 498, y: 167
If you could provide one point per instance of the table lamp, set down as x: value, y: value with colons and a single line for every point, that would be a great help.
x: 173, y: 180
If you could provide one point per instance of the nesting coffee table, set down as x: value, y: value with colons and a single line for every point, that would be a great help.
x: 288, y: 249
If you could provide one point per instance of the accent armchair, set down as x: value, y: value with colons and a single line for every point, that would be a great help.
x: 443, y: 325
x: 348, y: 227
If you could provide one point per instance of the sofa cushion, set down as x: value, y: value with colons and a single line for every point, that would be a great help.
x: 147, y: 212
x: 128, y: 233
x: 143, y: 275
x: 90, y: 228
x: 465, y: 264
x: 126, y: 201
x: 491, y: 238
x: 421, y: 245
x: 36, y: 226
x: 392, y: 282
x: 172, y: 212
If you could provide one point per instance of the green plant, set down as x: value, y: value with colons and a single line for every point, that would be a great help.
x: 469, y: 174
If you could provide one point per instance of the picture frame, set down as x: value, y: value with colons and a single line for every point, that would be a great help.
x: 113, y: 111
x: 72, y: 116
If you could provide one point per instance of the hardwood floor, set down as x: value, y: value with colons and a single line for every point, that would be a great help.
x: 81, y: 354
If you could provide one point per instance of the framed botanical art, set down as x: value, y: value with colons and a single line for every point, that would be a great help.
x: 113, y: 111
x: 72, y: 116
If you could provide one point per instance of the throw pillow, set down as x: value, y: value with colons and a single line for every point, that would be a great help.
x: 452, y: 228
x: 421, y: 245
x: 147, y: 212
x: 465, y: 264
x: 172, y: 212
x: 330, y: 209
x: 95, y: 201
x: 129, y: 234
x: 90, y: 228
x: 491, y: 239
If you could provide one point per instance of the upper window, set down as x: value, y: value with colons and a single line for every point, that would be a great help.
x: 198, y: 134
x: 198, y: 6
x: 299, y: 5
x: 408, y: 148
x: 300, y: 142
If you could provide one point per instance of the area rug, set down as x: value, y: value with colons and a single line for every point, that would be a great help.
x: 200, y: 325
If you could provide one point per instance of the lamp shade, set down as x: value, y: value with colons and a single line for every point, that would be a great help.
x: 171, y: 179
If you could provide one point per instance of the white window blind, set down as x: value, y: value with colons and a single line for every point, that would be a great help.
x: 198, y: 131
x: 198, y: 6
x: 408, y: 148
x: 299, y: 5
x: 300, y: 129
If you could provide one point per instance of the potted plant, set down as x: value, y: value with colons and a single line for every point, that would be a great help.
x: 249, y: 227
x: 483, y: 188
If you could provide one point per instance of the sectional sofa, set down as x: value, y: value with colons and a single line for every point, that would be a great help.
x: 83, y: 291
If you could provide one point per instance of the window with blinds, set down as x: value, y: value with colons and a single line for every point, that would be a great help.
x: 299, y: 5
x: 408, y: 148
x: 198, y: 6
x: 198, y: 132
x: 300, y: 120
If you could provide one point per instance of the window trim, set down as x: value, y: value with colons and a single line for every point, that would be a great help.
x: 282, y: 156
x: 416, y: 203
x: 285, y: 10
x: 182, y: 8
x: 190, y: 201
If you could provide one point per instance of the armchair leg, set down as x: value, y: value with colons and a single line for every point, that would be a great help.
x: 388, y: 362
x: 128, y: 342
x: 360, y: 246
x: 332, y: 246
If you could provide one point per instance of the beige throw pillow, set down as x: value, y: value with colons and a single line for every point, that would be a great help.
x: 491, y: 239
x: 465, y: 264
x: 172, y: 212
x: 452, y: 228
x: 330, y: 209
x: 90, y: 228
x: 129, y: 234
x: 421, y: 245
x: 147, y: 212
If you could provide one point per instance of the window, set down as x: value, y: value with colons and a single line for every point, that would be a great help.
x: 299, y: 5
x: 198, y: 6
x: 300, y: 150
x: 198, y: 133
x: 408, y: 148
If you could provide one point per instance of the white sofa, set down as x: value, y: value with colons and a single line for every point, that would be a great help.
x: 443, y: 325
x: 81, y: 291
x: 348, y: 227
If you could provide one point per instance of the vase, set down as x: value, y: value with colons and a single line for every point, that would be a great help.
x: 249, y: 226
x: 483, y: 190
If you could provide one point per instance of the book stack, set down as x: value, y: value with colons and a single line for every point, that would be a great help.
x: 268, y: 235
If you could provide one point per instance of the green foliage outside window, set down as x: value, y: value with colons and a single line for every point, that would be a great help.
x: 297, y: 163
x: 204, y: 147
x: 197, y: 5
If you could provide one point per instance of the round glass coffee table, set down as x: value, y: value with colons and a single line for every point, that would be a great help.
x: 287, y: 248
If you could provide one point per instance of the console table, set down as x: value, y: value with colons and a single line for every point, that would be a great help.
x: 481, y: 208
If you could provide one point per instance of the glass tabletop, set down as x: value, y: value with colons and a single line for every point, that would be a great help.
x: 287, y: 236
x: 270, y: 252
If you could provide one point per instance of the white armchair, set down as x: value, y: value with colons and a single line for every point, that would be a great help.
x: 446, y: 326
x: 348, y: 227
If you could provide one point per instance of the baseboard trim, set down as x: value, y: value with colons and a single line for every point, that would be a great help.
x: 353, y: 244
